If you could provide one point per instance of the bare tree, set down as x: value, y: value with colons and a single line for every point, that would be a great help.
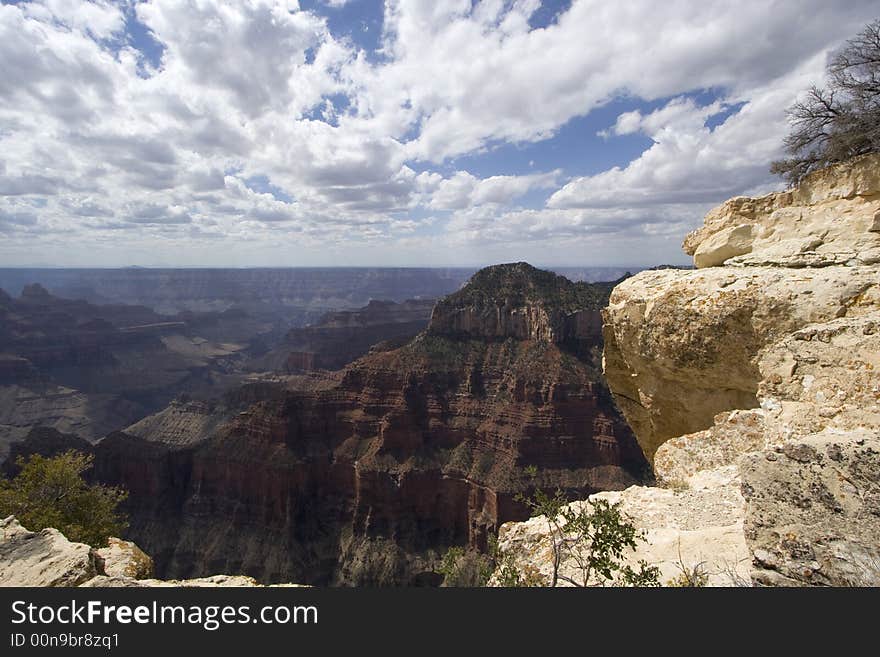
x: 841, y: 121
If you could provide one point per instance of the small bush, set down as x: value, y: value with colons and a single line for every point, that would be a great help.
x: 593, y: 538
x: 467, y: 568
x: 51, y: 492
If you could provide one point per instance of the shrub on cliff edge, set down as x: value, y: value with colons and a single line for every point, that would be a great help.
x: 51, y: 492
x: 841, y: 121
x: 591, y: 539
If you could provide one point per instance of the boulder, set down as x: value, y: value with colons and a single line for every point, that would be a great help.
x: 684, y: 346
x: 124, y: 559
x: 44, y: 558
x: 725, y: 244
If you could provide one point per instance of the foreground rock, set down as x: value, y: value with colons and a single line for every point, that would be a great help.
x: 696, y: 525
x: 124, y: 559
x: 761, y: 364
x: 47, y: 558
x: 683, y: 346
x: 43, y: 558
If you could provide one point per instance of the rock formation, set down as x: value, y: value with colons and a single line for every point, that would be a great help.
x: 368, y: 475
x: 44, y: 558
x: 47, y: 558
x: 340, y: 337
x: 92, y: 369
x: 757, y: 374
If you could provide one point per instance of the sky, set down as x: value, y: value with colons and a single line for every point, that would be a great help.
x: 406, y: 133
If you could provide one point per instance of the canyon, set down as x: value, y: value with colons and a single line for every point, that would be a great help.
x: 340, y: 337
x: 92, y: 369
x: 731, y: 410
x: 365, y: 476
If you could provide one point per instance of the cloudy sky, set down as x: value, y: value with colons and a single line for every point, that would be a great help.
x: 409, y: 132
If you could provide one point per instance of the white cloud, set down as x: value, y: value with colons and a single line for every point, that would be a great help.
x: 463, y: 190
x: 689, y: 161
x: 468, y: 78
x: 108, y: 156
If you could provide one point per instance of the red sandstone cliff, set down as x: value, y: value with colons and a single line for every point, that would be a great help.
x: 367, y: 478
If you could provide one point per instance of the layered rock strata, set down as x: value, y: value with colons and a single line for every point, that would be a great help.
x: 368, y: 477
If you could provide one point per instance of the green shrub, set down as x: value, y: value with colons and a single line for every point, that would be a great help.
x: 591, y: 540
x: 51, y: 492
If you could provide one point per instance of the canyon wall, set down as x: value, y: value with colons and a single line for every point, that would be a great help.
x: 92, y: 369
x: 367, y: 476
x: 340, y: 337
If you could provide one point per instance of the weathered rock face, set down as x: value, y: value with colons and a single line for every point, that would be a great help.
x: 43, y: 558
x: 367, y: 478
x: 47, y: 558
x: 123, y: 559
x: 518, y: 301
x: 813, y: 509
x: 764, y: 368
x: 339, y: 338
x: 830, y: 218
x: 683, y: 346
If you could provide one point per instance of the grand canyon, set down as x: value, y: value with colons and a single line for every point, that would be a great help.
x: 382, y: 436
x: 411, y: 293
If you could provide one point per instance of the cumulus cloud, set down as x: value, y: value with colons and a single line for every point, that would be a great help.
x: 463, y: 190
x: 102, y: 141
x: 471, y: 76
x: 690, y: 161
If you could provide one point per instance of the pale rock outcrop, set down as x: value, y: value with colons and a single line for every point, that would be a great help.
x: 813, y: 509
x: 44, y: 558
x: 683, y: 346
x: 764, y: 369
x: 698, y: 524
x: 725, y: 244
x: 47, y: 558
x: 831, y: 214
x: 124, y: 559
x: 121, y: 581
x: 736, y: 432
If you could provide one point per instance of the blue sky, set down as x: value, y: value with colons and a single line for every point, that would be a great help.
x: 406, y: 132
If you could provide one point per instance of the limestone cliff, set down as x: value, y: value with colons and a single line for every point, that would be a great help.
x: 751, y: 383
x: 48, y: 558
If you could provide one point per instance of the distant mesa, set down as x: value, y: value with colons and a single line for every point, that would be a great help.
x: 35, y: 292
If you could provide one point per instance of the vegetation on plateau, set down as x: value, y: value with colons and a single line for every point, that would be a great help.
x: 51, y: 492
x: 520, y: 283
